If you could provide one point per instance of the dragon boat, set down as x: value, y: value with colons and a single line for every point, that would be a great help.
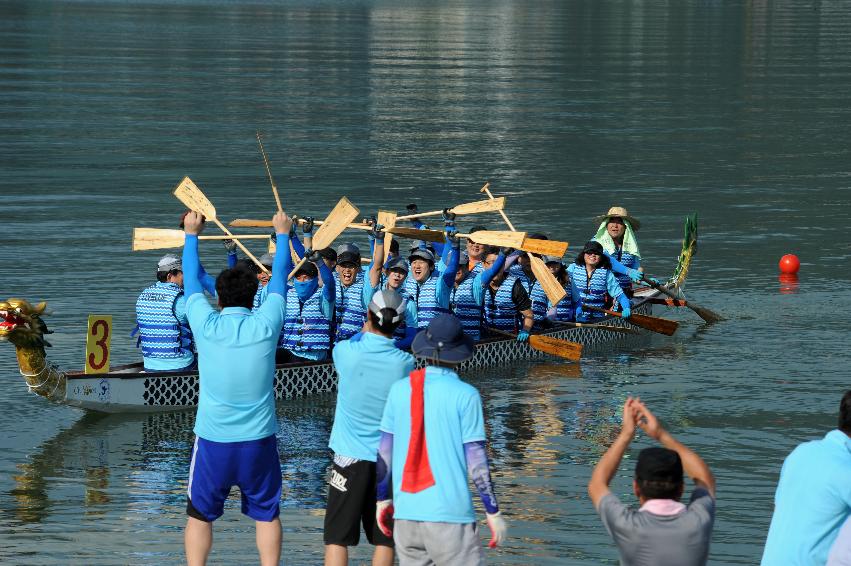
x: 128, y: 389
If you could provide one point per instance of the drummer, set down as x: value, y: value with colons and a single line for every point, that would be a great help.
x: 617, y: 235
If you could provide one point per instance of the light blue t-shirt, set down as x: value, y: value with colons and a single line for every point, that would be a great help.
x: 812, y: 501
x: 236, y: 361
x: 453, y: 417
x: 368, y: 365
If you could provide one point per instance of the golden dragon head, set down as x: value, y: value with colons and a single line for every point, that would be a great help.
x: 21, y: 323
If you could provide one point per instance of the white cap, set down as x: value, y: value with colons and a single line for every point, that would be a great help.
x: 169, y: 262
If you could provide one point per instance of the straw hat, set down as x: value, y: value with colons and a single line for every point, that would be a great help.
x: 620, y: 212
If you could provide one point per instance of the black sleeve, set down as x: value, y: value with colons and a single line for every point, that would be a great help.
x: 520, y: 296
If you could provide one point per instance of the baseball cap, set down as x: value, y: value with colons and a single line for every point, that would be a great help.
x: 348, y: 253
x: 399, y: 263
x: 420, y: 253
x: 169, y: 262
x: 387, y: 299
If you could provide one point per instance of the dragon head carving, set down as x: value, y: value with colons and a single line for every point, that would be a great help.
x: 22, y: 325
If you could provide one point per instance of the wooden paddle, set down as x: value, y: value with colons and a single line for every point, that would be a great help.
x: 249, y: 223
x: 553, y: 289
x: 498, y: 238
x: 334, y: 224
x: 654, y: 323
x: 562, y: 348
x: 159, y: 238
x: 489, y: 205
x: 191, y: 196
x: 387, y: 219
x: 704, y: 313
x: 269, y: 172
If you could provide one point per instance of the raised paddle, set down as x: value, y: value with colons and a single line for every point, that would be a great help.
x: 544, y: 247
x: 269, y: 172
x: 333, y: 226
x: 248, y: 223
x: 562, y: 348
x: 462, y: 209
x: 704, y: 313
x: 190, y: 195
x: 159, y: 238
x: 387, y: 219
x: 498, y: 238
x: 654, y: 323
x: 553, y: 289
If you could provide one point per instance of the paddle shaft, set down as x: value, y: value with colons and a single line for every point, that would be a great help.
x: 487, y: 191
x: 702, y: 312
x: 554, y: 346
x: 241, y: 246
x: 269, y: 172
x: 654, y: 323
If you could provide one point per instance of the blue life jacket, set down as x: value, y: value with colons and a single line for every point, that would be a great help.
x: 400, y: 331
x: 538, y: 297
x: 350, y: 312
x: 463, y: 305
x: 565, y: 311
x: 161, y: 335
x: 630, y: 261
x: 500, y: 310
x: 258, y: 298
x: 592, y: 290
x: 425, y: 296
x: 305, y: 327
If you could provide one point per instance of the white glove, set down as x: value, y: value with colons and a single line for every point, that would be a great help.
x: 499, y: 529
x: 383, y: 516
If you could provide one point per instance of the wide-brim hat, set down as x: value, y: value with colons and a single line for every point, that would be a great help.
x: 444, y: 340
x: 620, y: 212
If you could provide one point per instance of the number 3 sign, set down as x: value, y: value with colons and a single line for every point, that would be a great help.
x: 98, y: 339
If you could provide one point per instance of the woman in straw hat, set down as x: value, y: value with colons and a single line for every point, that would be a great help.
x: 617, y: 235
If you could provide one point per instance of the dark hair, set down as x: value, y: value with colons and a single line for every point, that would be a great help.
x: 845, y: 413
x: 478, y: 228
x: 388, y: 328
x: 561, y: 274
x: 604, y: 260
x: 162, y: 276
x: 236, y: 288
x: 394, y: 246
x: 247, y: 265
x: 653, y: 489
x: 329, y: 253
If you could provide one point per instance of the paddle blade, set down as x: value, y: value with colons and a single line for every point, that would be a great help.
x: 248, y: 223
x: 568, y: 350
x: 387, y: 219
x: 191, y: 196
x: 501, y: 238
x: 554, y: 290
x: 544, y: 247
x: 337, y: 221
x: 705, y: 314
x: 490, y: 205
x: 414, y: 234
x: 654, y: 323
x: 156, y: 239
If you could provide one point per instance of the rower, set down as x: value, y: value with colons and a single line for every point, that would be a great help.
x: 397, y: 272
x: 507, y: 301
x: 617, y: 235
x: 427, y: 288
x: 591, y: 278
x: 564, y: 310
x: 468, y: 296
x: 537, y: 295
x: 262, y: 278
x: 306, y: 335
x: 352, y: 292
x: 161, y: 321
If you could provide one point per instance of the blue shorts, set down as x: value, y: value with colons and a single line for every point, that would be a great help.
x: 253, y: 466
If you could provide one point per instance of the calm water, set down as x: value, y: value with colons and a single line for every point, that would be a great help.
x: 735, y: 110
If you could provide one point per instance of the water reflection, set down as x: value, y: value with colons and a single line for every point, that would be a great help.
x: 788, y: 283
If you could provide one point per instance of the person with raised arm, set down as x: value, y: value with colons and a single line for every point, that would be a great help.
x: 235, y: 423
x: 663, y: 531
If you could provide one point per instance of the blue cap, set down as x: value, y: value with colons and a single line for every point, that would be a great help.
x: 443, y: 339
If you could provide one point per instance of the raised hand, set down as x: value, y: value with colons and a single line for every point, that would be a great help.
x: 282, y: 222
x: 647, y: 420
x: 193, y: 223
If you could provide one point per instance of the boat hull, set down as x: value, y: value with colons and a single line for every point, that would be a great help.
x: 129, y: 390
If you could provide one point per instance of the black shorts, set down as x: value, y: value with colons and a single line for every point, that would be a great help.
x: 351, y: 502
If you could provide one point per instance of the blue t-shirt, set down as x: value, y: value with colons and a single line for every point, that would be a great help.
x: 236, y: 361
x: 812, y: 501
x: 453, y: 417
x: 368, y: 365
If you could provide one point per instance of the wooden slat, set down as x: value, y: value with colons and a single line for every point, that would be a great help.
x: 552, y: 248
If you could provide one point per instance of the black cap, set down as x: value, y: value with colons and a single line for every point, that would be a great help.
x: 309, y: 269
x: 593, y: 246
x: 348, y: 253
x: 328, y: 253
x: 659, y: 464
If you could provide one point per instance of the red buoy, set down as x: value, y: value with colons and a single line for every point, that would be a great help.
x: 789, y: 264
